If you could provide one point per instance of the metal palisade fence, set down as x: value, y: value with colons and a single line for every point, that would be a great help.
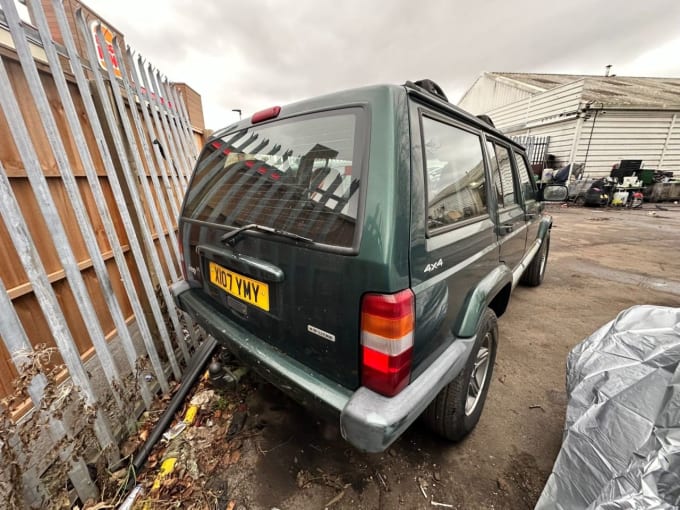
x: 95, y: 158
x: 536, y: 147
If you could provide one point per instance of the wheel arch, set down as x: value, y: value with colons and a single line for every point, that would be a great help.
x: 492, y: 292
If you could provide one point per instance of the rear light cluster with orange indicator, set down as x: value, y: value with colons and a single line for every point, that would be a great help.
x: 387, y: 327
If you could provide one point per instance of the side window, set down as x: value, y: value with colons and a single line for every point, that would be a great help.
x: 456, y: 182
x: 526, y: 179
x: 504, y: 156
x: 495, y: 172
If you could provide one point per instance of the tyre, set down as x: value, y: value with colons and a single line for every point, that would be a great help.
x: 580, y: 201
x: 534, y: 273
x: 456, y: 410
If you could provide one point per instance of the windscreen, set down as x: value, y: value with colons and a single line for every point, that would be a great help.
x: 300, y: 175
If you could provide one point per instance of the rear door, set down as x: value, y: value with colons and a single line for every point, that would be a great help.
x: 512, y: 233
x: 453, y: 240
x: 302, y: 176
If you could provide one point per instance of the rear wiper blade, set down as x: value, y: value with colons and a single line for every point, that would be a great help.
x: 230, y: 237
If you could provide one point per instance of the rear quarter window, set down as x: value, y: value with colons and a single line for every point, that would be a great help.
x: 456, y: 179
x: 301, y: 175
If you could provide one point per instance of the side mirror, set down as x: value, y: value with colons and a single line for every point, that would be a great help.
x: 554, y: 193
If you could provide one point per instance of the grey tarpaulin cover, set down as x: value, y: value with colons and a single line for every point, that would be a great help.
x: 621, y: 445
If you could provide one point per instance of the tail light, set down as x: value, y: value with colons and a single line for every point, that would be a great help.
x: 387, y: 323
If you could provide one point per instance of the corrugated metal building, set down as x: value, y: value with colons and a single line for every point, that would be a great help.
x: 596, y: 120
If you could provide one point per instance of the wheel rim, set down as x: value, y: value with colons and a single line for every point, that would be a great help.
x: 478, y: 376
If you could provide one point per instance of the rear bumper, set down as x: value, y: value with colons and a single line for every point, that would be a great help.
x: 369, y: 421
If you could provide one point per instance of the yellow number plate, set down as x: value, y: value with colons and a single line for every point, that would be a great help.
x: 246, y: 289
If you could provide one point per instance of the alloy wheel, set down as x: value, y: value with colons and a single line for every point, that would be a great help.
x: 478, y: 376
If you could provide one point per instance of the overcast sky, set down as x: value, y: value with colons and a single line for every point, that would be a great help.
x: 252, y: 54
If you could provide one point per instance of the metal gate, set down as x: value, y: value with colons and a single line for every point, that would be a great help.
x: 95, y: 158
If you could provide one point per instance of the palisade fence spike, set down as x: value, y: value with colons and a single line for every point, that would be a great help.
x: 102, y: 207
x: 186, y: 130
x: 161, y: 124
x: 137, y: 166
x: 116, y: 188
x: 127, y: 79
x: 70, y: 184
x: 184, y: 115
x: 131, y: 179
x: 46, y: 202
x: 164, y: 164
x: 171, y: 116
x: 152, y: 169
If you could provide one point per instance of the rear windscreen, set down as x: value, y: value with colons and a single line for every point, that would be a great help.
x: 300, y: 175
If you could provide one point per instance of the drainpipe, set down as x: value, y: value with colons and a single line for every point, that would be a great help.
x: 592, y: 128
x: 191, y: 375
x: 577, y: 135
x: 668, y: 139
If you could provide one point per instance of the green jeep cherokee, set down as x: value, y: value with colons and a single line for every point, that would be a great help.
x: 356, y: 249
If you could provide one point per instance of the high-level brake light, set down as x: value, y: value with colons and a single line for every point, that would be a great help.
x: 269, y: 113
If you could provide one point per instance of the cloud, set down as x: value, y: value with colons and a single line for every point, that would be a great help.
x: 251, y: 55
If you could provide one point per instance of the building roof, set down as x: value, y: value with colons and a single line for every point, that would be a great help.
x: 625, y: 91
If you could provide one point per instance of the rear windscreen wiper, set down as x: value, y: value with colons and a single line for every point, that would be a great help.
x: 230, y: 237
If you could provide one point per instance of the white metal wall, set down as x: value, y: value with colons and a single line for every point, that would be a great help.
x: 554, y: 105
x: 617, y: 135
x: 488, y: 93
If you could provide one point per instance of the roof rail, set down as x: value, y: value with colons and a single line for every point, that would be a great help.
x: 429, y: 86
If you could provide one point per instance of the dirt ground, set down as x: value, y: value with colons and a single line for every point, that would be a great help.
x: 602, y: 261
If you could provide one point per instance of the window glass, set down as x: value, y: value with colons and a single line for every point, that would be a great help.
x: 508, y: 182
x: 526, y: 179
x: 456, y: 188
x: 301, y: 175
x: 495, y: 172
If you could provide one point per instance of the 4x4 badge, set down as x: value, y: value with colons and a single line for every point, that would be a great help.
x: 433, y: 266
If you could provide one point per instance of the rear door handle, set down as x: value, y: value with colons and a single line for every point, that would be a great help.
x: 507, y: 227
